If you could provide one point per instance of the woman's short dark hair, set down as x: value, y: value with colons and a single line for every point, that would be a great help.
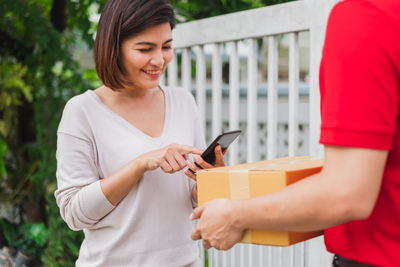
x: 121, y: 19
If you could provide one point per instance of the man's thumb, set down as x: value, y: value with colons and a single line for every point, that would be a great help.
x: 196, y: 214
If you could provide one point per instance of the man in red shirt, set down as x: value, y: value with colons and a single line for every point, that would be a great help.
x: 356, y: 196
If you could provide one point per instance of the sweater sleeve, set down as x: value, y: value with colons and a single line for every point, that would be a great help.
x: 79, y: 196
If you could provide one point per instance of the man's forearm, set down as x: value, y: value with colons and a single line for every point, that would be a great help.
x: 346, y: 189
x: 309, y: 204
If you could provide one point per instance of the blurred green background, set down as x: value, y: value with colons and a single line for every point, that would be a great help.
x: 43, y: 44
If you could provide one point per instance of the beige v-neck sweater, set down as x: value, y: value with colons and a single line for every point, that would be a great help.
x: 150, y: 226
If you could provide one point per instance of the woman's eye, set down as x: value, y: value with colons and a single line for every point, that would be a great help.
x: 145, y: 50
x: 167, y: 47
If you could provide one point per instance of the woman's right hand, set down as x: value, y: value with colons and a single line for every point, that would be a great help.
x: 170, y: 159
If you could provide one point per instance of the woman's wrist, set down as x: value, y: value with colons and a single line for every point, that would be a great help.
x: 138, y: 166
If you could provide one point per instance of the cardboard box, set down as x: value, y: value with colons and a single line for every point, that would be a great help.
x: 254, y: 179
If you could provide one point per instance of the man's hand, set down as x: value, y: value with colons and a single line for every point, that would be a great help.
x: 217, y: 224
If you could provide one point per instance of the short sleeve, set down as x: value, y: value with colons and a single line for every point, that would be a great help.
x: 359, y: 77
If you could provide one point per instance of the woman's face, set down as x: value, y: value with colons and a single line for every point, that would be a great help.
x: 146, y: 55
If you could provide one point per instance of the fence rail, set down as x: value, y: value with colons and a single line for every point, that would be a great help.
x: 263, y: 115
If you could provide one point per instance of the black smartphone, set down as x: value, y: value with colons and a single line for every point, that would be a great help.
x: 224, y: 140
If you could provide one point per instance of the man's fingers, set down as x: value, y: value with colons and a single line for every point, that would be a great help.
x: 196, y: 214
x: 195, y: 235
x: 206, y: 244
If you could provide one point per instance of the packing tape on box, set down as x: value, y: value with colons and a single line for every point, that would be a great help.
x: 248, y: 180
x: 240, y: 189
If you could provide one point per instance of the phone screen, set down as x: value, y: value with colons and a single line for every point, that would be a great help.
x: 224, y: 140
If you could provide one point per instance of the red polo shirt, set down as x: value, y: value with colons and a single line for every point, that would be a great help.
x: 360, y: 92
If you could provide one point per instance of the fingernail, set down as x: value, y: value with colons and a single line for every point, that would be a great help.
x: 191, y: 216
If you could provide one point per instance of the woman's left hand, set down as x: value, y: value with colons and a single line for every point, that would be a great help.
x: 200, y: 163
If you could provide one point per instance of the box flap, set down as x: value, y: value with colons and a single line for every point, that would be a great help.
x: 280, y: 164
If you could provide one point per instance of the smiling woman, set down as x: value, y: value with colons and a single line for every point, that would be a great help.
x: 121, y: 20
x: 122, y: 148
x: 146, y: 55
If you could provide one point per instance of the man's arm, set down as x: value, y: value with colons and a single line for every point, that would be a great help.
x: 346, y: 189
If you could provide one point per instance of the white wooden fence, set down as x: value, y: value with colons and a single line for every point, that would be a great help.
x: 224, y: 31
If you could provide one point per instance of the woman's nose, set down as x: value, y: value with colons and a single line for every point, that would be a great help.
x: 158, y: 59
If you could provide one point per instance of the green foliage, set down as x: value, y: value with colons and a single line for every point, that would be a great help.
x: 12, y: 85
x: 32, y: 238
x: 29, y: 238
x: 38, y: 74
x: 10, y: 231
x: 13, y: 90
x: 3, y: 152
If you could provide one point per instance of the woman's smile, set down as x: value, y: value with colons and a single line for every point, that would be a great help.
x: 153, y: 74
